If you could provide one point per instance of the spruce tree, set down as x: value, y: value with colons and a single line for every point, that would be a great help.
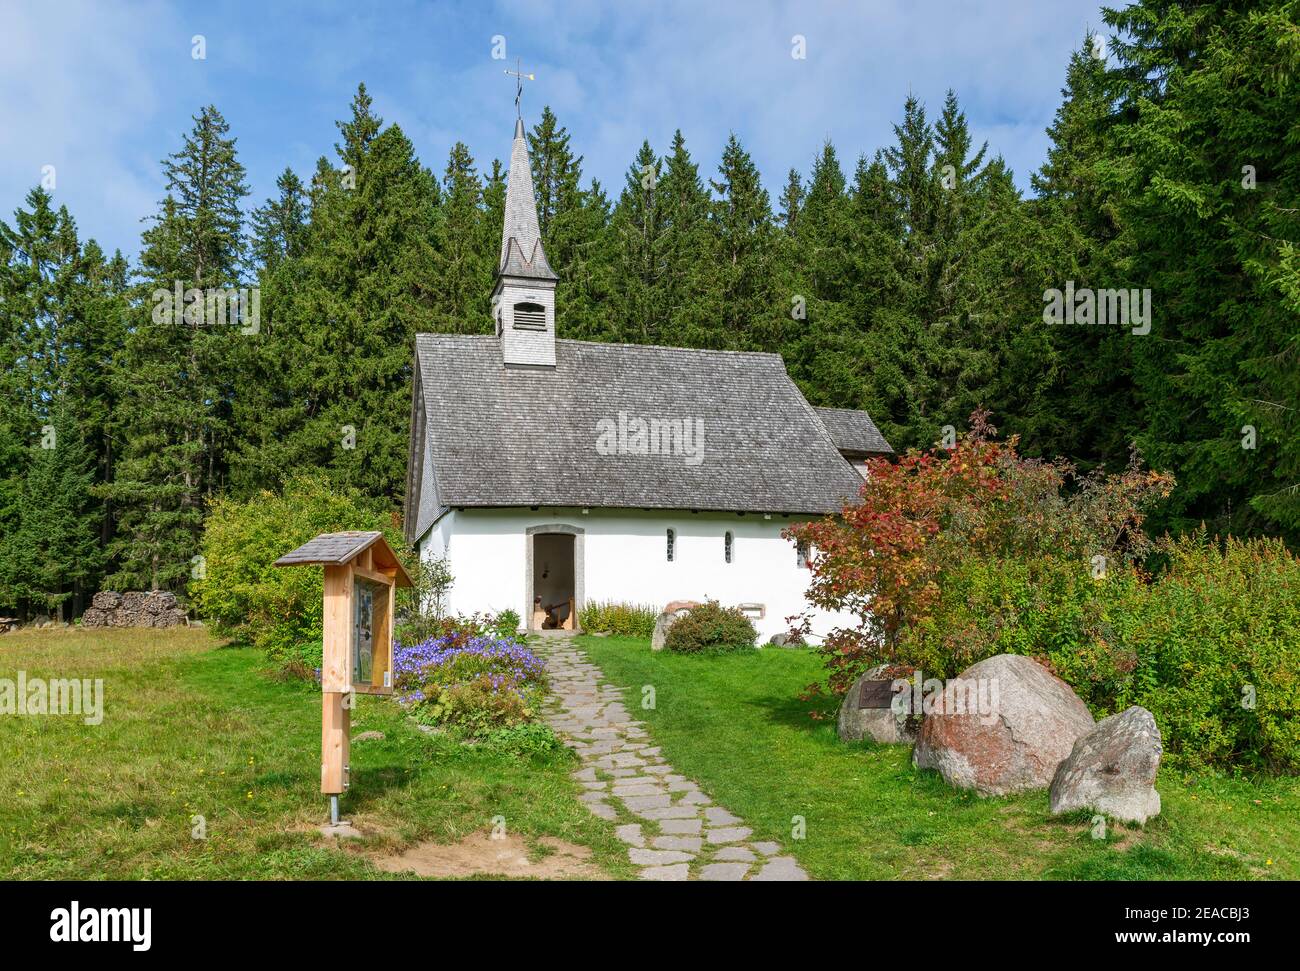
x: 639, y: 312
x: 60, y: 322
x: 54, y: 554
x: 683, y: 202
x: 748, y: 311
x: 173, y: 379
x: 465, y: 255
x: 344, y: 333
x: 1205, y: 103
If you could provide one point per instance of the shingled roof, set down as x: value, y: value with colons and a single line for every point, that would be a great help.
x: 488, y: 435
x: 522, y: 253
x: 336, y: 549
x: 853, y: 432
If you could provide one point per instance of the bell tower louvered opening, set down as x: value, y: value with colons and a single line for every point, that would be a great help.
x: 529, y: 316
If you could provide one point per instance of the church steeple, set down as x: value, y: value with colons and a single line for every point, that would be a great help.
x: 522, y: 254
x: 523, y: 300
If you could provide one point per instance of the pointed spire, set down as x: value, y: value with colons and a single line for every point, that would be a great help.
x: 521, y: 238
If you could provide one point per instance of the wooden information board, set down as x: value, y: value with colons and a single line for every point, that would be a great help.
x: 362, y: 575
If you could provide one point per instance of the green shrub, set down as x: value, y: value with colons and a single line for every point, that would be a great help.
x: 619, y: 619
x: 422, y: 607
x: 530, y: 741
x: 1217, y: 643
x: 276, y: 608
x: 451, y: 629
x: 710, y: 627
x: 1219, y: 627
x: 506, y: 623
x: 302, y: 660
x: 1049, y: 608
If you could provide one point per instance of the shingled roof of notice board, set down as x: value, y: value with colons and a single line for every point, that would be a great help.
x: 336, y: 549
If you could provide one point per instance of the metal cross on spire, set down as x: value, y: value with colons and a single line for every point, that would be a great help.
x: 519, y: 76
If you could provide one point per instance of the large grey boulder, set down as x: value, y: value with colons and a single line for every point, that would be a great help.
x: 1112, y: 769
x: 880, y: 724
x: 1003, y: 726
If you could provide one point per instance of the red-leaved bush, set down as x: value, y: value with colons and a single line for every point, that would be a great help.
x: 886, y: 557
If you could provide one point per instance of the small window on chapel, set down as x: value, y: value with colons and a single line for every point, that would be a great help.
x: 672, y: 542
x: 802, y: 551
x: 727, y: 546
x: 530, y: 316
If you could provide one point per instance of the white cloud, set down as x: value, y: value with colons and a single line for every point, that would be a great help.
x: 78, y: 87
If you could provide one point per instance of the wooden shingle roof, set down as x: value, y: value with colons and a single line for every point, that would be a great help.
x: 336, y: 549
x: 498, y: 436
x: 853, y: 432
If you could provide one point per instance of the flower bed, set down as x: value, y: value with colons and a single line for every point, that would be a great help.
x: 474, y: 684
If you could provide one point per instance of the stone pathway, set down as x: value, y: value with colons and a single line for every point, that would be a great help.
x: 672, y: 829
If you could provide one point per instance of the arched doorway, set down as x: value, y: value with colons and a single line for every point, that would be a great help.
x: 554, y: 583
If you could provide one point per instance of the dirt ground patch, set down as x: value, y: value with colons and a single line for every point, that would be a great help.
x: 479, y: 854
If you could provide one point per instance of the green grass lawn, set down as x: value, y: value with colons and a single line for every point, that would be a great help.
x: 195, y: 728
x: 192, y: 728
x: 734, y: 724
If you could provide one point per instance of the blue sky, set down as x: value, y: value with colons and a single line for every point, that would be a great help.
x: 102, y: 91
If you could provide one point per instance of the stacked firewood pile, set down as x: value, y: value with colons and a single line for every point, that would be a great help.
x: 157, y: 608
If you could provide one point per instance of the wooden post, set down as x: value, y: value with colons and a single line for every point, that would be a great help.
x: 336, y: 679
x: 335, y: 742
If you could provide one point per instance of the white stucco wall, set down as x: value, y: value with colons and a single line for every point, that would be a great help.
x: 624, y: 558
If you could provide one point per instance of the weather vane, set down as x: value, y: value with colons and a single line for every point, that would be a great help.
x: 519, y: 77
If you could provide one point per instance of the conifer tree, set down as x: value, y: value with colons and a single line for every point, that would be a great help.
x: 748, y: 311
x: 173, y: 379
x: 60, y: 322
x: 1205, y: 106
x: 465, y: 255
x: 54, y: 552
x: 686, y: 280
x: 344, y: 333
x: 792, y: 197
x: 638, y: 227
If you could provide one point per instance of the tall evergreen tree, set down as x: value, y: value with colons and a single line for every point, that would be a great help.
x: 262, y: 412
x: 747, y: 308
x: 683, y: 203
x: 1207, y: 178
x: 792, y: 197
x: 173, y: 379
x: 639, y: 312
x: 465, y: 254
x: 573, y: 221
x: 60, y: 322
x: 279, y: 226
x: 1090, y: 414
x: 54, y: 552
x: 344, y: 334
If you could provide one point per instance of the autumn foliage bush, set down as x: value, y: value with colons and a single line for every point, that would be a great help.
x: 953, y: 557
x: 922, y: 520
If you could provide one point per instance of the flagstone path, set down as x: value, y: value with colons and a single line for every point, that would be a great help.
x: 673, y: 830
